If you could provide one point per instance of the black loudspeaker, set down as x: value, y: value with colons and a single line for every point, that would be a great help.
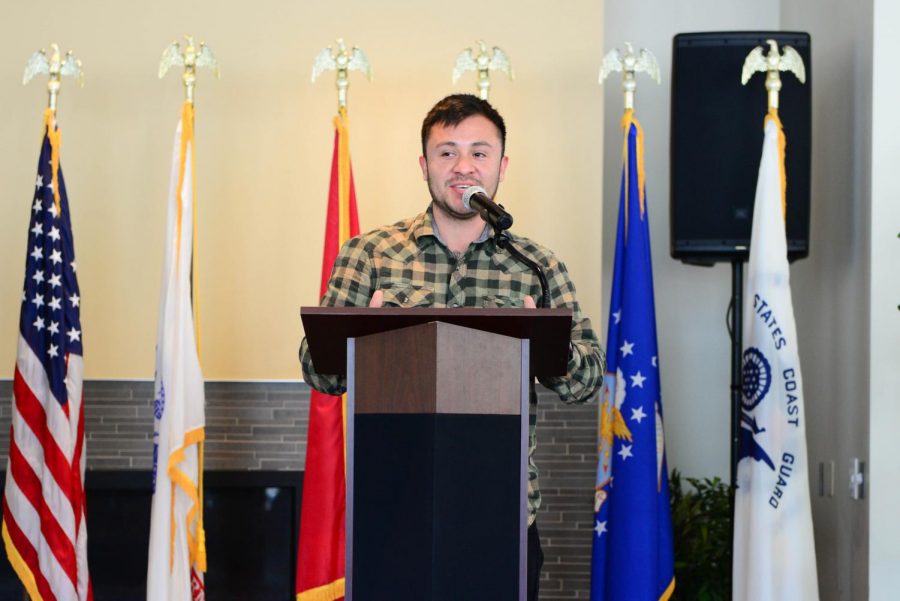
x: 716, y: 144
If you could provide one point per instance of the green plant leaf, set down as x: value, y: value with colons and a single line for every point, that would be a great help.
x: 701, y: 524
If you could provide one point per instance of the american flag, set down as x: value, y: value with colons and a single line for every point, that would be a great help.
x: 44, y: 526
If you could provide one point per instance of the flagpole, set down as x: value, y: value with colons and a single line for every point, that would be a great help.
x: 45, y: 475
x: 633, y: 549
x: 177, y: 547
x: 323, y: 556
x: 755, y: 529
x: 770, y: 64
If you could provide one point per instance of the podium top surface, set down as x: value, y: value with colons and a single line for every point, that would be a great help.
x: 548, y: 330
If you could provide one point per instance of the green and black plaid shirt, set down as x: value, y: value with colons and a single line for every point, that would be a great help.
x: 413, y: 268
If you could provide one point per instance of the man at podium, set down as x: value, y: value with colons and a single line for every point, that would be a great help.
x: 447, y: 257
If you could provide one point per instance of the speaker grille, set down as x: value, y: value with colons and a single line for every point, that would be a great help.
x: 716, y: 145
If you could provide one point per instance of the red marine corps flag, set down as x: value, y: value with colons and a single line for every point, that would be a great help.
x: 44, y: 526
x: 320, y: 554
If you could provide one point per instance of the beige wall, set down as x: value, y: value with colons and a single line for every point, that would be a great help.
x: 264, y: 141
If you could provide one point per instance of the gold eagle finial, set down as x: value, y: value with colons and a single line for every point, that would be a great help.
x: 191, y: 58
x: 342, y: 61
x: 629, y: 63
x: 484, y: 62
x: 771, y: 64
x: 56, y: 67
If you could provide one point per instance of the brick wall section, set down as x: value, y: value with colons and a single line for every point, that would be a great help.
x: 262, y: 426
x: 567, y: 459
x: 249, y: 425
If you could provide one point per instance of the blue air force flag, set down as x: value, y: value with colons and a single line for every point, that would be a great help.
x: 632, y: 549
x: 774, y: 555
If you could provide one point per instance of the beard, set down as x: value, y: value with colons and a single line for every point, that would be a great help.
x: 445, y: 207
x: 440, y: 197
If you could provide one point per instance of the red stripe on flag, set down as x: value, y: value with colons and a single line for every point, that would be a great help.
x: 29, y: 483
x: 79, y: 502
x: 31, y: 410
x: 44, y: 485
x: 27, y: 552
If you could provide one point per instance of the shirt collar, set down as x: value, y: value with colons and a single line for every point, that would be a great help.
x: 425, y: 225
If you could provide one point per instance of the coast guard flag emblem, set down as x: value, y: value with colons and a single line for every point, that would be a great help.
x: 774, y: 554
x: 632, y: 541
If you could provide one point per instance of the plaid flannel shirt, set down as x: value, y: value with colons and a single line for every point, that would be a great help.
x: 413, y: 268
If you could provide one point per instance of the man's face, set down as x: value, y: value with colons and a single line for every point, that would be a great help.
x: 456, y: 157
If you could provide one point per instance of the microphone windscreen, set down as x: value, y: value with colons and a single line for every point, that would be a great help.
x: 469, y: 193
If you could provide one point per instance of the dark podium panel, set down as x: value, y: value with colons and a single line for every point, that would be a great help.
x: 437, y: 506
x: 437, y: 445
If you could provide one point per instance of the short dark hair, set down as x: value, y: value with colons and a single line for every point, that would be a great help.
x: 453, y: 109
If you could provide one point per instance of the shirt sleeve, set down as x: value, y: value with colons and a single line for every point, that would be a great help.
x: 350, y: 285
x: 587, y: 361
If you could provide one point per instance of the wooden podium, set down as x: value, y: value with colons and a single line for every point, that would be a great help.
x: 437, y: 445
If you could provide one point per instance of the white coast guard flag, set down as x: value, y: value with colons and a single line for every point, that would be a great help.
x: 774, y: 554
x: 177, y: 556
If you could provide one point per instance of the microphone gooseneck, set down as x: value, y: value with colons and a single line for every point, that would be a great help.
x: 503, y: 241
x: 476, y: 197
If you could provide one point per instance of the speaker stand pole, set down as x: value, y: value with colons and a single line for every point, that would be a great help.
x: 737, y: 304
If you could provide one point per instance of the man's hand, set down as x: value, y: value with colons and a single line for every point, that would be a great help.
x: 378, y: 299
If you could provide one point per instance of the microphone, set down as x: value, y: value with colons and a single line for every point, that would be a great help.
x: 476, y: 197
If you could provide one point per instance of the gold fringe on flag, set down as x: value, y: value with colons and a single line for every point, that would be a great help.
x: 341, y: 125
x: 196, y: 544
x: 55, y: 137
x: 782, y: 143
x: 628, y: 120
x: 328, y: 592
